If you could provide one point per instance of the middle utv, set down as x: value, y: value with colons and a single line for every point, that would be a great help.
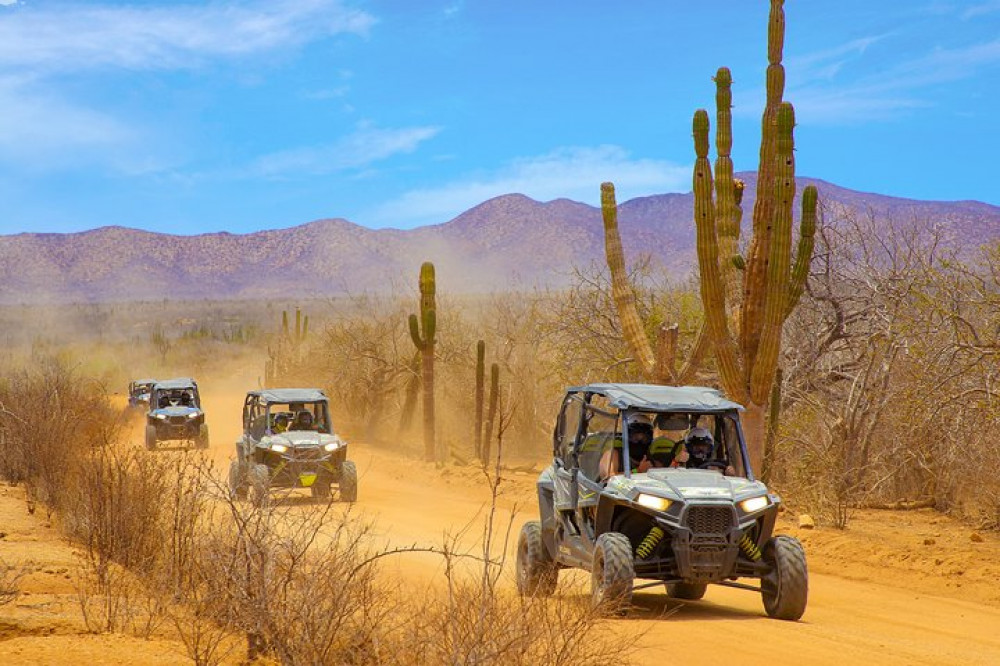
x: 654, y: 482
x: 288, y: 442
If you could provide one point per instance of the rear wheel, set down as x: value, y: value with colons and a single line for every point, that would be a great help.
x: 260, y: 482
x: 612, y: 573
x: 785, y: 589
x: 151, y: 437
x: 537, y: 574
x: 237, y: 481
x: 692, y: 591
x: 348, y: 481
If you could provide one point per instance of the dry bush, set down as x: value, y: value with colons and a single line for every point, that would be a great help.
x: 50, y: 420
x: 10, y: 579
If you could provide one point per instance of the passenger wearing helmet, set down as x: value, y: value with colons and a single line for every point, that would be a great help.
x: 281, y: 423
x: 640, y: 436
x: 303, y: 420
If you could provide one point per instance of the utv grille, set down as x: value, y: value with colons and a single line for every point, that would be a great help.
x: 710, y: 519
x: 178, y: 420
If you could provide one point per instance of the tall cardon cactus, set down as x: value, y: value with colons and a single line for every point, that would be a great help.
x: 491, y: 413
x: 422, y: 330
x: 772, y: 282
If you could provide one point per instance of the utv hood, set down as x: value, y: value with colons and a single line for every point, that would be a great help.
x: 175, y: 411
x: 301, y: 439
x: 687, y: 484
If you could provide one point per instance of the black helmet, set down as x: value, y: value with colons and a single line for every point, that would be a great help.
x: 304, y: 418
x: 700, y: 445
x: 640, y: 431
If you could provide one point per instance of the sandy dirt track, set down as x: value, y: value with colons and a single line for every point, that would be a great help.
x: 940, y: 607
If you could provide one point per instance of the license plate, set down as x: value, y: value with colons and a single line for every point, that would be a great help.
x: 307, y: 480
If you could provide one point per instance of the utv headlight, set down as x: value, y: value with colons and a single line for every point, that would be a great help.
x: 754, y: 504
x: 334, y: 445
x: 279, y: 448
x: 653, y: 502
x: 162, y: 417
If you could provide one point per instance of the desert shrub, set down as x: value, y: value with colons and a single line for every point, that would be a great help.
x: 51, y: 418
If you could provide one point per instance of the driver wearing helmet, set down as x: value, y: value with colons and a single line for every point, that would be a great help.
x: 640, y: 436
x: 700, y: 447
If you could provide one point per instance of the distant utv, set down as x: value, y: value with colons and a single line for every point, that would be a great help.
x: 175, y: 414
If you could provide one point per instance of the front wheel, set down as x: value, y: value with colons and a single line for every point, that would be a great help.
x: 320, y: 490
x: 260, y: 483
x: 151, y: 437
x: 201, y: 441
x: 537, y: 574
x: 786, y: 588
x: 237, y: 481
x: 612, y: 573
x: 348, y: 481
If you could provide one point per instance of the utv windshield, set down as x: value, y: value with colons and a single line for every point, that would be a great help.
x: 690, y: 440
x: 177, y: 398
x: 298, y: 416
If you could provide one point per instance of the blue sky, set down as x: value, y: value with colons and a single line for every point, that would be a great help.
x: 237, y: 115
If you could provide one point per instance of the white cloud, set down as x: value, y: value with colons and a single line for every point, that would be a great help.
x: 572, y: 173
x: 981, y: 9
x: 363, y: 147
x: 72, y: 37
x: 44, y: 131
x: 824, y: 92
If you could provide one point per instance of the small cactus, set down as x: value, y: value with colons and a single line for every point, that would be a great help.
x: 480, y: 390
x: 491, y: 412
x: 422, y: 331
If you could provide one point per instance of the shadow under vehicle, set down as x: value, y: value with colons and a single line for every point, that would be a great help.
x: 175, y: 414
x: 139, y: 391
x: 304, y: 454
x: 705, y: 522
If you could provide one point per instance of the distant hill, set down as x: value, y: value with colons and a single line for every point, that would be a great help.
x: 509, y: 241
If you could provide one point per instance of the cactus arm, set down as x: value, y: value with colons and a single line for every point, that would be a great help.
x: 632, y: 328
x: 415, y: 333
x: 695, y: 357
x: 712, y: 293
x: 284, y: 323
x: 305, y: 327
x: 727, y: 190
x: 777, y: 285
x: 666, y: 354
x: 754, y: 292
x: 803, y: 253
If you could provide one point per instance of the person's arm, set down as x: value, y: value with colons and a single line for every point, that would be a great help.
x: 610, y: 464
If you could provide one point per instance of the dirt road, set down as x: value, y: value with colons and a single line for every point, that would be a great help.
x: 895, y: 589
x: 912, y: 619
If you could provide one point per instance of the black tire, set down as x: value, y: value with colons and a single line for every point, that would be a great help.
x: 348, y: 481
x: 201, y: 441
x: 785, y: 589
x: 260, y: 483
x: 151, y: 437
x: 612, y: 574
x: 237, y: 481
x: 689, y: 591
x: 320, y: 490
x: 537, y: 574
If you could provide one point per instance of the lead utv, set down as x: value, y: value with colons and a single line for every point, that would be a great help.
x: 683, y: 525
x: 288, y: 442
x: 175, y: 414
